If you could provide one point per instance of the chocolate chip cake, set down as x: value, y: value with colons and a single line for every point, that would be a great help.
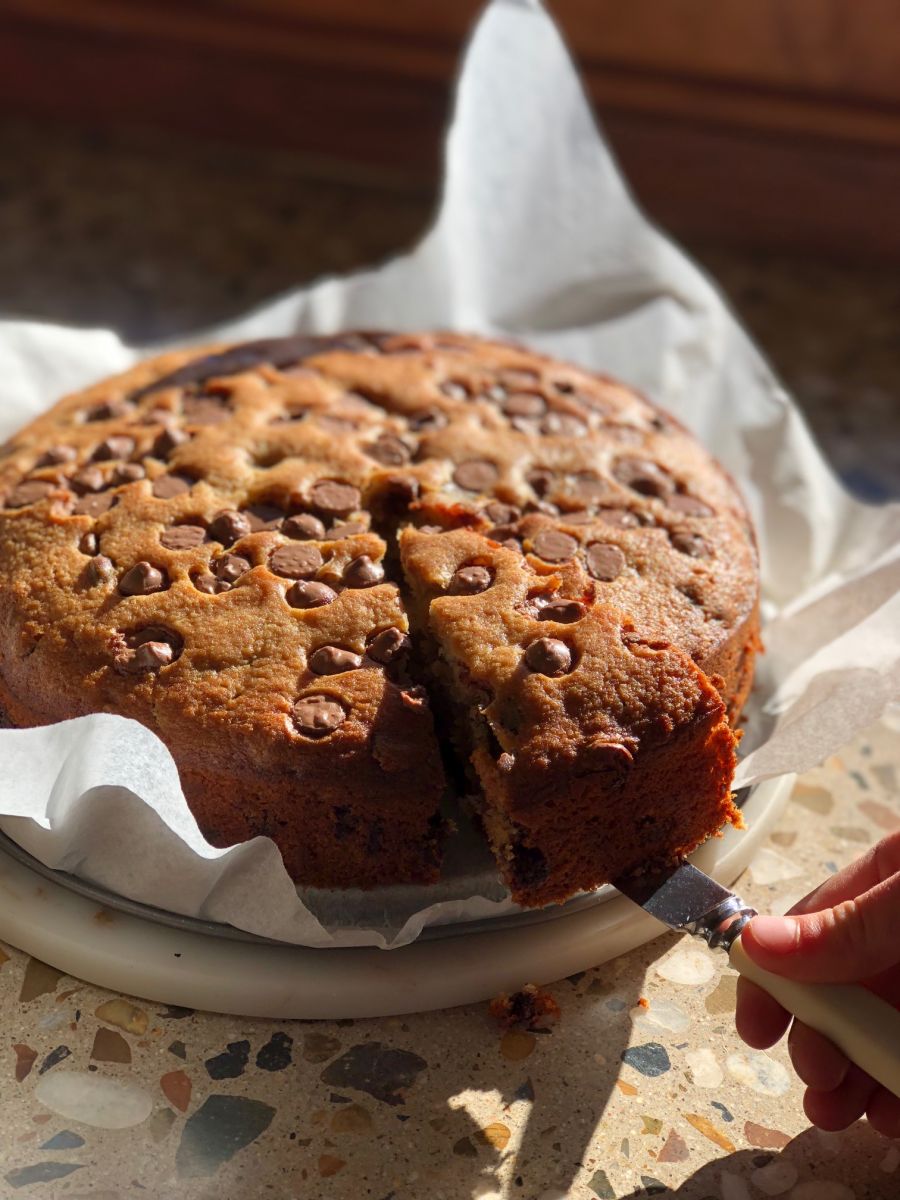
x: 343, y: 577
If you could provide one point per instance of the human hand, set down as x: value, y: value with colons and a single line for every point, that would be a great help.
x: 845, y: 931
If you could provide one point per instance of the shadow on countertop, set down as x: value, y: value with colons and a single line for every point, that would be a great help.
x: 810, y: 1167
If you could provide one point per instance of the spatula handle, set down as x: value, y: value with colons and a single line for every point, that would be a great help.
x: 864, y: 1027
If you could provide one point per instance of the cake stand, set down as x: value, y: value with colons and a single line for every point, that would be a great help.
x: 191, y: 964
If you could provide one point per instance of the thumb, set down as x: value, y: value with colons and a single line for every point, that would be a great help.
x: 845, y: 944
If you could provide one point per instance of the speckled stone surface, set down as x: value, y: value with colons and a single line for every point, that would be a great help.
x: 107, y: 1097
x: 641, y: 1089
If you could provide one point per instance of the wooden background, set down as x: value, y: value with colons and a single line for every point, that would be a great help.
x: 764, y: 122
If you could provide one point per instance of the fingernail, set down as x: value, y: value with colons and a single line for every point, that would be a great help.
x: 775, y: 934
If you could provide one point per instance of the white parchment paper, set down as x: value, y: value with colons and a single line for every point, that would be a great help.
x: 538, y: 238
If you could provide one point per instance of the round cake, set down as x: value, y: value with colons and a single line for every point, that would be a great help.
x: 346, y: 578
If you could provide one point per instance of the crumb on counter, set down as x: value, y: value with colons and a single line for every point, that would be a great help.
x: 530, y: 1008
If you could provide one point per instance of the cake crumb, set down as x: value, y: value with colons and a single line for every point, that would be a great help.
x: 643, y: 1002
x: 531, y: 1008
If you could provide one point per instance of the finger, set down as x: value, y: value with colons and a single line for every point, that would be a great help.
x: 883, y: 1111
x: 838, y: 1109
x: 877, y: 864
x: 886, y: 984
x: 816, y: 1060
x: 760, y: 1020
x: 854, y: 940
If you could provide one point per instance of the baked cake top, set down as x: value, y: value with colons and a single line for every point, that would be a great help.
x: 229, y: 517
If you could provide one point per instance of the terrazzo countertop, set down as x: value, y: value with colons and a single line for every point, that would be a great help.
x: 641, y: 1089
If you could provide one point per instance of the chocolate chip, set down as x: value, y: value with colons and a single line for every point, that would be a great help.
x: 228, y: 525
x: 332, y: 660
x: 604, y: 562
x: 524, y: 404
x: 528, y: 865
x: 643, y: 476
x: 548, y: 656
x: 620, y: 517
x: 554, y: 546
x: 363, y: 572
x: 540, y: 481
x: 167, y: 486
x: 390, y: 451
x: 230, y: 567
x: 303, y: 527
x: 610, y: 755
x: 396, y: 493
x: 157, y: 633
x: 182, y: 537
x: 475, y: 475
x: 501, y: 514
x: 149, y: 656
x: 542, y: 506
x: 468, y: 581
x: 88, y: 544
x: 296, y: 561
x: 588, y: 488
x: 562, y: 425
x: 114, y: 447
x: 141, y: 580
x: 454, y: 390
x: 388, y: 646
x: 29, y: 492
x: 563, y: 611
x: 149, y: 649
x: 209, y: 584
x: 337, y: 499
x: 512, y: 544
x: 95, y: 505
x: 263, y: 516
x: 426, y: 419
x: 688, y: 542
x: 88, y: 479
x: 127, y: 473
x: 689, y: 505
x: 581, y: 517
x: 107, y: 411
x: 317, y: 716
x: 345, y: 529
x: 310, y: 594
x: 99, y: 570
x: 56, y: 455
x: 168, y: 440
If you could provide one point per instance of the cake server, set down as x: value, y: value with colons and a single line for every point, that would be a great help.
x: 864, y: 1027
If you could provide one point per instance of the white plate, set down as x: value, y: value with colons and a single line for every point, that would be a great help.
x: 196, y: 968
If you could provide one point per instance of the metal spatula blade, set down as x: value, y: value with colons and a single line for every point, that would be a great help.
x: 862, y: 1025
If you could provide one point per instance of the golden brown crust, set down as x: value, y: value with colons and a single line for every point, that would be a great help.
x: 248, y: 641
